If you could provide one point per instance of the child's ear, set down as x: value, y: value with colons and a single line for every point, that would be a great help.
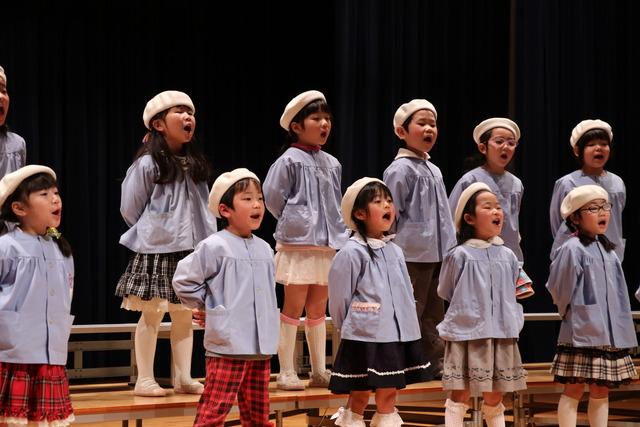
x: 158, y: 124
x: 576, y: 150
x: 575, y: 218
x: 296, y: 127
x: 360, y: 214
x: 483, y: 148
x: 225, y: 211
x: 401, y: 132
x: 469, y: 219
x: 19, y: 209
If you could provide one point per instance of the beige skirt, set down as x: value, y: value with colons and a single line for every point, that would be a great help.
x: 305, y: 267
x: 484, y: 365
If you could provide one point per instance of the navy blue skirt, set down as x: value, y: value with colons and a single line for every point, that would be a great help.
x: 364, y: 366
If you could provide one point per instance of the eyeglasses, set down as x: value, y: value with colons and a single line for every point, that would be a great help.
x: 596, y: 209
x: 511, y: 142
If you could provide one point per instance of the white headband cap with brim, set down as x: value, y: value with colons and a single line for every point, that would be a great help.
x: 297, y: 104
x: 464, y: 198
x: 164, y: 101
x: 10, y: 182
x: 406, y: 110
x: 587, y: 125
x: 223, y: 183
x: 349, y: 199
x: 580, y: 196
x: 496, y: 122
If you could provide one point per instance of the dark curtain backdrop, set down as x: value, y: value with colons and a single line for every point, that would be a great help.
x: 575, y: 60
x: 79, y: 85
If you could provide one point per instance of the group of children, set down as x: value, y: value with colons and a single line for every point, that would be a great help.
x: 385, y: 255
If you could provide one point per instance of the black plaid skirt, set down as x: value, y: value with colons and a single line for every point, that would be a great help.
x: 608, y: 367
x: 149, y: 276
x: 364, y: 366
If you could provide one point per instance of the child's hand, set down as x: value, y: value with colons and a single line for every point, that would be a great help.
x: 199, y: 317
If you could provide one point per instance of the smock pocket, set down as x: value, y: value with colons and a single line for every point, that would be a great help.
x: 294, y: 222
x: 217, y: 326
x: 587, y: 323
x: 364, y: 318
x: 8, y: 329
x: 60, y: 332
x: 466, y: 318
x: 158, y: 228
x: 413, y: 238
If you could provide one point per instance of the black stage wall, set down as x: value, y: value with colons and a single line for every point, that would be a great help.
x: 79, y: 78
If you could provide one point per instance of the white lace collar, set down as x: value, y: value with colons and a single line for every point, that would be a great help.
x: 373, y: 243
x: 483, y: 244
x: 405, y: 152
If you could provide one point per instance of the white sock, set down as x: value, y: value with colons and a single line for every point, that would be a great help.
x: 493, y: 415
x: 316, y: 335
x: 181, y: 346
x: 145, y: 342
x: 454, y: 413
x: 287, y: 343
x: 391, y: 419
x: 598, y: 412
x: 345, y: 417
x: 567, y: 411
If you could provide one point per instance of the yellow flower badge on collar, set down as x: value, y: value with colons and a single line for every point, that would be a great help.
x: 53, y: 232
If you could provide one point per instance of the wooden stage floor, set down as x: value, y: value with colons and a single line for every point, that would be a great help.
x: 109, y: 405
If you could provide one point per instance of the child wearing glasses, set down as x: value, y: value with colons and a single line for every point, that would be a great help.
x: 497, y: 139
x: 587, y: 284
x: 591, y: 144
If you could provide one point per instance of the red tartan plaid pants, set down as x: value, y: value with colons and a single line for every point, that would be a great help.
x: 231, y: 379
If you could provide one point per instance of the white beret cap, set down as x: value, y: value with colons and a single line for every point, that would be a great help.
x: 349, y: 199
x: 223, y: 183
x: 405, y: 110
x: 10, y: 182
x: 580, y: 196
x: 464, y: 198
x: 495, y: 122
x: 587, y: 125
x: 297, y: 104
x: 3, y: 76
x: 164, y: 101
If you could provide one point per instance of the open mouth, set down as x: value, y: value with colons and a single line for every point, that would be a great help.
x: 602, y: 223
x: 496, y: 221
x: 57, y: 212
x: 387, y: 216
x: 428, y: 138
x: 598, y: 157
x: 323, y: 134
x: 188, y: 128
x: 255, y: 216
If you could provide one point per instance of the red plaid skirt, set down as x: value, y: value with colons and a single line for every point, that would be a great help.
x: 32, y: 392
